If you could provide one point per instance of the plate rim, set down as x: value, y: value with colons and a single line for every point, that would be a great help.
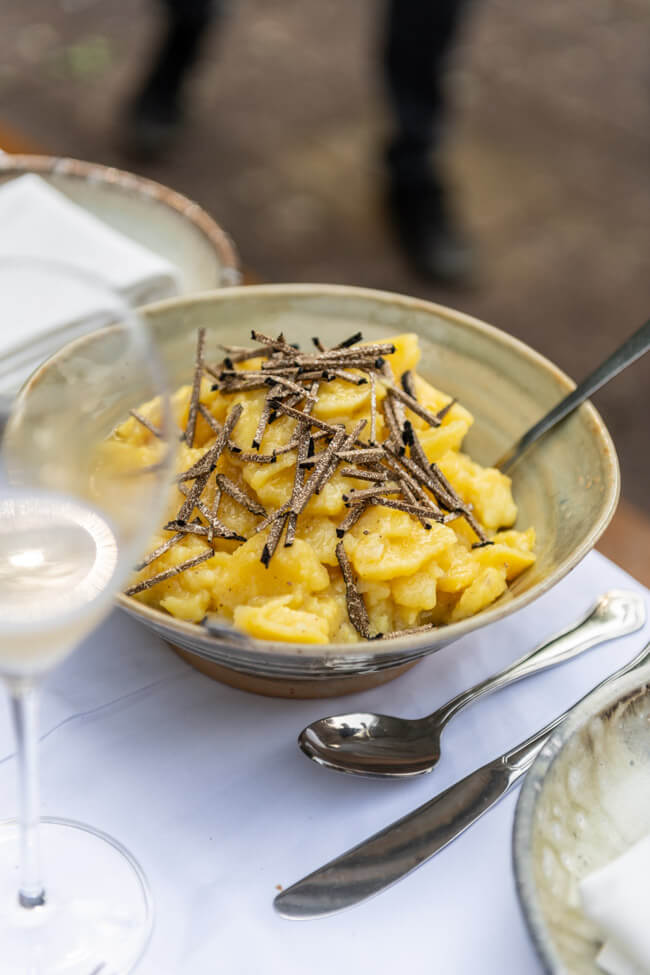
x: 599, y: 700
x: 128, y: 182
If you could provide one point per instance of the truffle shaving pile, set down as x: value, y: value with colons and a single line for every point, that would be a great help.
x: 396, y: 470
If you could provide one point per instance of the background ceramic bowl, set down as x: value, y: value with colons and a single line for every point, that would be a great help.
x: 161, y: 219
x: 567, y: 487
x: 584, y: 802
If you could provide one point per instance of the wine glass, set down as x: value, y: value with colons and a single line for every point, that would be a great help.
x: 76, y: 511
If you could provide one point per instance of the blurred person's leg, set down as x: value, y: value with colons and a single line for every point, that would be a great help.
x: 420, y: 35
x: 156, y: 110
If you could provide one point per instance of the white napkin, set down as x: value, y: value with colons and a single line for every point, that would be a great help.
x: 38, y: 221
x: 617, y: 899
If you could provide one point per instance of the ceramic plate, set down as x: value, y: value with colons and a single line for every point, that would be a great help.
x: 155, y: 216
x: 584, y: 802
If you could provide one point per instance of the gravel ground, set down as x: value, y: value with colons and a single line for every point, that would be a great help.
x: 548, y: 151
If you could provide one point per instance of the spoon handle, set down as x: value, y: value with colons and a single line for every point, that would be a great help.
x: 632, y: 349
x: 614, y: 614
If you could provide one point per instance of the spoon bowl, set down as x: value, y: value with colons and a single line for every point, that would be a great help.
x: 377, y: 745
x: 383, y: 746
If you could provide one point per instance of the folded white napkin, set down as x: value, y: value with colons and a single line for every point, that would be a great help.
x: 617, y: 899
x: 38, y: 221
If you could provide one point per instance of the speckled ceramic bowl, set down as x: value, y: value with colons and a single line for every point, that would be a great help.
x: 567, y: 487
x: 155, y: 216
x: 584, y: 802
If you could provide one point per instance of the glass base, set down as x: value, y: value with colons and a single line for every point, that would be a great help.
x: 97, y: 916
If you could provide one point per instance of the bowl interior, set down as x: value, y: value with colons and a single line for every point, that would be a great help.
x: 164, y: 221
x: 567, y: 486
x: 585, y: 801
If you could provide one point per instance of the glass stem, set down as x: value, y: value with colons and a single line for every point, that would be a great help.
x: 24, y: 710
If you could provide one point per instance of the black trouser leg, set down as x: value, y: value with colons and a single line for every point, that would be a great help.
x: 186, y: 23
x: 419, y: 38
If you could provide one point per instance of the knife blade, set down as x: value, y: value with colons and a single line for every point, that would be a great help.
x: 395, y: 851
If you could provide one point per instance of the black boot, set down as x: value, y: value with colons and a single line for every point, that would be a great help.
x: 151, y: 124
x: 427, y: 232
x: 419, y: 40
x: 155, y: 114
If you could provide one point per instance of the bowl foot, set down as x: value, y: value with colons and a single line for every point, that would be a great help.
x: 292, y: 687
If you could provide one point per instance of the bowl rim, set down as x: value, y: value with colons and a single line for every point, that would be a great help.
x: 595, y: 703
x: 84, y: 171
x: 415, y: 645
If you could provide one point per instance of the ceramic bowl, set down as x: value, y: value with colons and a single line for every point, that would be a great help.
x: 584, y: 802
x: 567, y: 487
x: 159, y: 218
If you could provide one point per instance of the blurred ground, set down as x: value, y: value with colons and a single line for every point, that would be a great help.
x: 549, y: 151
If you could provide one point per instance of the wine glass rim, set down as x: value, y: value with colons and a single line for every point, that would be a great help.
x: 131, y: 315
x: 40, y: 373
x: 86, y: 346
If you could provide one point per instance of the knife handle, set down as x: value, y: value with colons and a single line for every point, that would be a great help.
x: 519, y: 759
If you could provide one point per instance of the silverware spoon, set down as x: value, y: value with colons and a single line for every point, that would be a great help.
x: 383, y: 746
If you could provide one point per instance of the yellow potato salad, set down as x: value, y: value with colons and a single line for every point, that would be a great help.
x: 281, y: 539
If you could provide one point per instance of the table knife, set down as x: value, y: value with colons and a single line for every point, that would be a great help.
x: 396, y: 850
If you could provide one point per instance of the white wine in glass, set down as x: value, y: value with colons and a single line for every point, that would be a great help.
x: 73, y: 521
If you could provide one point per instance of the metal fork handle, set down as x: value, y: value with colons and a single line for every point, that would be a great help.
x: 632, y: 349
x: 615, y: 614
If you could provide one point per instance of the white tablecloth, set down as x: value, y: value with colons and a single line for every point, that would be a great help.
x: 207, y: 788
